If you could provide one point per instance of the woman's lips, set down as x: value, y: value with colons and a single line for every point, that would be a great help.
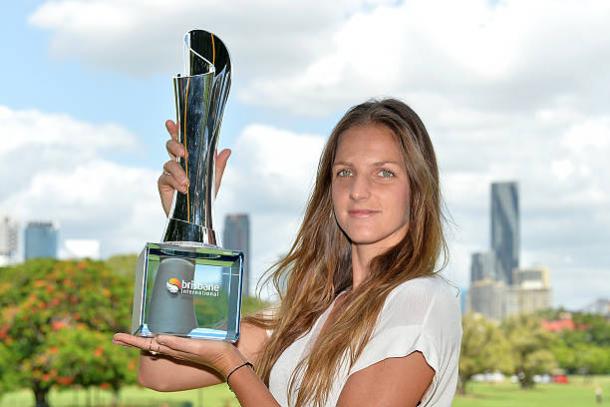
x: 361, y: 213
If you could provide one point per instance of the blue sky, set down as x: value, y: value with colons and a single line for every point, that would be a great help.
x: 32, y: 78
x: 508, y: 90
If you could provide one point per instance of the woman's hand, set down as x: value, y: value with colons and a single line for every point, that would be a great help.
x: 173, y: 176
x: 218, y: 355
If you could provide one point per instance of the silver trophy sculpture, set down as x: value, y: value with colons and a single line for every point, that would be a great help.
x: 187, y: 285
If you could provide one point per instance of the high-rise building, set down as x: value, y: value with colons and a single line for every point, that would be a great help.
x: 41, y: 240
x: 236, y: 236
x: 532, y: 278
x: 9, y: 240
x: 505, y: 229
x: 487, y: 297
x: 482, y: 266
x: 530, y: 292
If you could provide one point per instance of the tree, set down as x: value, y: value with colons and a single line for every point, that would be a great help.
x: 123, y: 264
x: 484, y: 349
x: 57, y: 318
x: 68, y: 350
x: 7, y: 377
x: 565, y: 356
x: 587, y: 348
x: 596, y: 327
x: 592, y: 359
x: 530, y: 345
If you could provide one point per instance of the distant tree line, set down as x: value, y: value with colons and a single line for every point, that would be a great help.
x: 521, y: 346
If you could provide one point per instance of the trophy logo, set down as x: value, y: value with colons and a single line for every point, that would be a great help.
x: 173, y: 285
x: 187, y: 285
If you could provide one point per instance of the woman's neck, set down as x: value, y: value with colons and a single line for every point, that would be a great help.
x: 364, y: 253
x: 361, y: 259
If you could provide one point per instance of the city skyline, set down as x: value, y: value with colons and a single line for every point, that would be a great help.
x: 83, y: 137
x: 501, y: 287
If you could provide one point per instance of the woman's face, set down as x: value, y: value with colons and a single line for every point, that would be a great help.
x: 370, y: 187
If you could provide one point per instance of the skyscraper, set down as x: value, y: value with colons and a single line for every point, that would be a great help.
x: 236, y: 236
x: 487, y: 297
x: 482, y: 266
x: 9, y: 237
x: 41, y: 239
x: 505, y: 229
x: 530, y: 292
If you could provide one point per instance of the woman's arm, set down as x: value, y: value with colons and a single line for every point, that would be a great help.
x: 250, y: 389
x: 398, y: 381
x: 164, y: 373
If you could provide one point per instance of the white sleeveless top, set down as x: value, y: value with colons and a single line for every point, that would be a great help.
x: 422, y: 314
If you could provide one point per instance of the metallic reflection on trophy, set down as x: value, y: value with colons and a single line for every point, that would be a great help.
x: 187, y: 285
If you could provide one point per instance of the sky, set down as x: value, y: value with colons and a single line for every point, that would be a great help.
x: 509, y: 90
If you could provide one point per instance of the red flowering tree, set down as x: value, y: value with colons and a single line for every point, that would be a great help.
x: 56, y: 321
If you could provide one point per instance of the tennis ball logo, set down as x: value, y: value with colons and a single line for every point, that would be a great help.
x: 173, y: 285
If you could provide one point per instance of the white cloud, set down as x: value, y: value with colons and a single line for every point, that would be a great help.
x: 269, y: 175
x: 144, y: 37
x: 315, y: 57
x: 511, y: 56
x: 273, y: 168
x: 31, y: 128
x: 56, y: 169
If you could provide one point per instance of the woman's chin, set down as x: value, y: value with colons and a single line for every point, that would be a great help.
x: 384, y: 240
x: 364, y: 240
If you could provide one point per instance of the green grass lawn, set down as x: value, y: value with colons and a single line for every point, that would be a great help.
x: 579, y: 393
x: 215, y: 396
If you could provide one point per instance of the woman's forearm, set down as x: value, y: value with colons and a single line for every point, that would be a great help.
x: 247, y: 386
x: 162, y: 373
x: 250, y: 389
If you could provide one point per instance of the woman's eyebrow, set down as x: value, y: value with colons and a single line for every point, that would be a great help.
x: 387, y: 162
x: 342, y: 163
x: 376, y: 163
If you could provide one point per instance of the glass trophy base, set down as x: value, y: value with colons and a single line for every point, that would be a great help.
x: 188, y: 289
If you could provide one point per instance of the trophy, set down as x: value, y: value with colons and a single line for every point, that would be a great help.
x: 187, y: 285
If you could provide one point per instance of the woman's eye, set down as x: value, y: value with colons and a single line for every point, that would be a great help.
x: 386, y: 174
x: 344, y: 172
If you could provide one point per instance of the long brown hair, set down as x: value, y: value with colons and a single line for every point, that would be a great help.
x: 318, y: 266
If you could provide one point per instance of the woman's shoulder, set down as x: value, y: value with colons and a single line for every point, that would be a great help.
x: 425, y: 289
x: 417, y: 300
x: 421, y: 314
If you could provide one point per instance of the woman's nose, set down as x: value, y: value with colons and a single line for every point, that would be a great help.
x: 360, y: 188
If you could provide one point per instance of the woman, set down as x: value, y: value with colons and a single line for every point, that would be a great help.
x: 364, y: 320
